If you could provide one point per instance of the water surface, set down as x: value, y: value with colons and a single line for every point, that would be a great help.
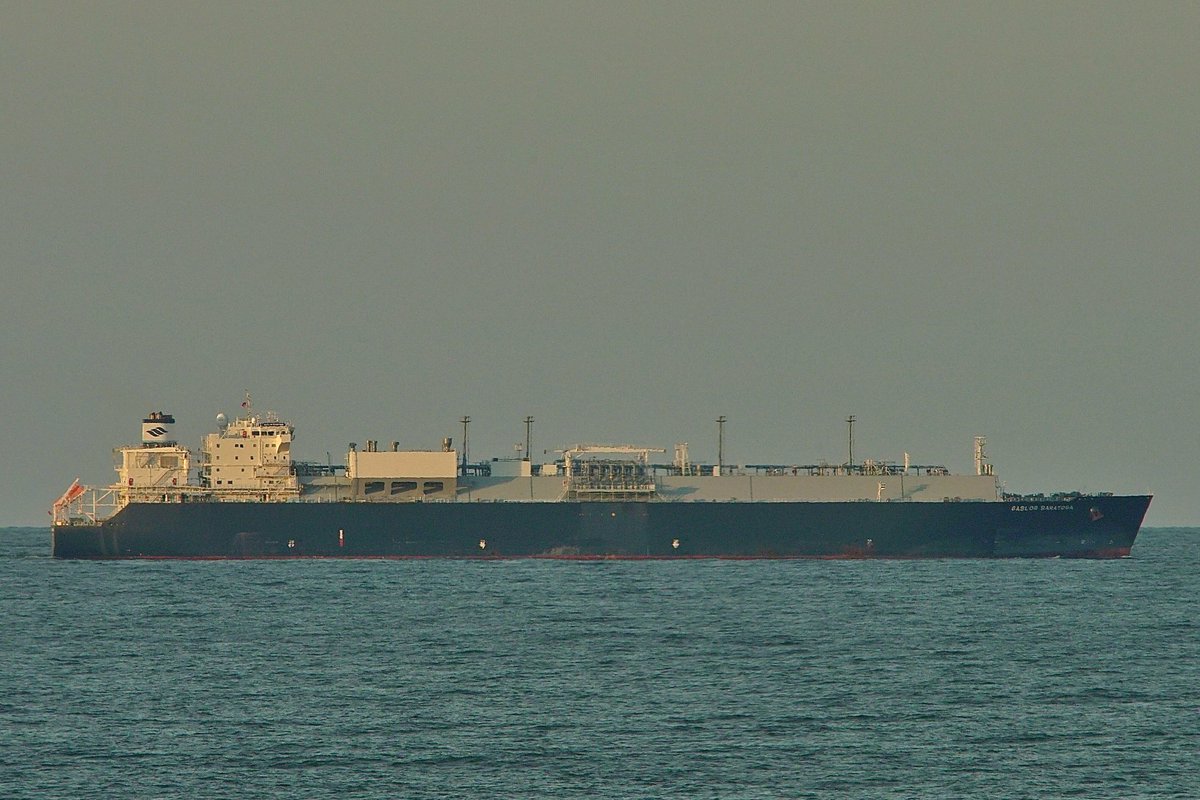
x: 722, y: 679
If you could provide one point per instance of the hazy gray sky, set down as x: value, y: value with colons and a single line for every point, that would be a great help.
x: 622, y: 218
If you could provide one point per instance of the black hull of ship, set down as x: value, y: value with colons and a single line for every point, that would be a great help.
x: 1082, y: 527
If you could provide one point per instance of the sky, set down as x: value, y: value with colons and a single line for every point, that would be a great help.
x: 622, y: 218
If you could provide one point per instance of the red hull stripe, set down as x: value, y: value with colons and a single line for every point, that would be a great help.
x: 1108, y: 553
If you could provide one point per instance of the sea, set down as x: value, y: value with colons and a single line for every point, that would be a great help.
x: 560, y: 679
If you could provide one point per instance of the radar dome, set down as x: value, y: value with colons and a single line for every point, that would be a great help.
x: 222, y: 421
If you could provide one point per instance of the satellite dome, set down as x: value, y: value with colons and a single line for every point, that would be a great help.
x: 222, y: 421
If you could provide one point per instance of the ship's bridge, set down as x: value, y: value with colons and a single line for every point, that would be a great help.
x: 249, y: 454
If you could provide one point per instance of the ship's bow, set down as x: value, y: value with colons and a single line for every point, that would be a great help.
x: 1102, y: 526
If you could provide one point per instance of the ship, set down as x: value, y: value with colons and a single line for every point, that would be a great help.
x: 244, y: 496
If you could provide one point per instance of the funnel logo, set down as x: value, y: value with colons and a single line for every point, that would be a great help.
x: 156, y: 431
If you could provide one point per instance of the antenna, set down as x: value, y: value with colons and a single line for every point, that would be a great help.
x: 529, y: 438
x: 466, y: 422
x: 721, y: 420
x: 850, y: 435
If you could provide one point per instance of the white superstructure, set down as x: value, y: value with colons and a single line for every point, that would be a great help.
x: 153, y: 468
x: 399, y: 475
x: 157, y: 464
x: 251, y: 455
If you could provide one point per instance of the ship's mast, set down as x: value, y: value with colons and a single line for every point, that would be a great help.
x: 982, y: 467
x: 466, y: 423
x: 721, y: 420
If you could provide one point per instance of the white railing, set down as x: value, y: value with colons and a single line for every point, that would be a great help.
x: 89, y: 506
